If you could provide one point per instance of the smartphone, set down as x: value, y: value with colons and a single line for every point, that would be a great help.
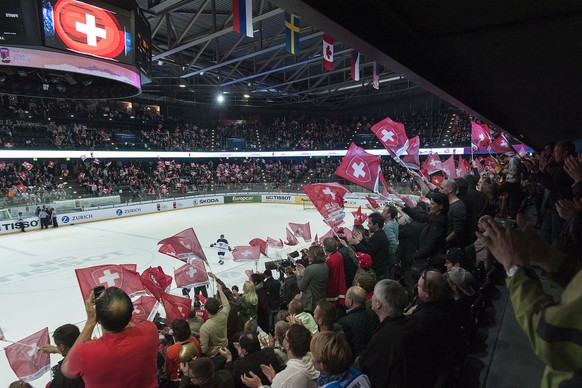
x: 97, y: 291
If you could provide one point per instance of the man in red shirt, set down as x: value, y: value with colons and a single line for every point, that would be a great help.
x: 125, y: 356
x: 335, y: 292
x: 182, y: 334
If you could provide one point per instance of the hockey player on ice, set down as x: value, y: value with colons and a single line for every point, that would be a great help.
x: 222, y: 245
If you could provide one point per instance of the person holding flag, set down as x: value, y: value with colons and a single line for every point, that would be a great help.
x: 222, y: 245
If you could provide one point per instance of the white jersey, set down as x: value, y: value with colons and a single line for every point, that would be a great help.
x: 221, y: 244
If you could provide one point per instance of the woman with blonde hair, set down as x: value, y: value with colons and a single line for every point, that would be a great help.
x: 248, y: 303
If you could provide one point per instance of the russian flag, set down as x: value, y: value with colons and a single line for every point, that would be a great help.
x: 355, y: 65
x: 242, y: 11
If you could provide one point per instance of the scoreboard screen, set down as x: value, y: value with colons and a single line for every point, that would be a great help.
x: 18, y: 23
x: 89, y: 27
x: 143, y: 43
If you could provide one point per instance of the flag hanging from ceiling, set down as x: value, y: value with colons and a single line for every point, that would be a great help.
x: 355, y: 65
x: 242, y: 14
x: 292, y: 28
x: 375, y: 75
x: 25, y: 357
x: 327, y: 52
x: 360, y: 167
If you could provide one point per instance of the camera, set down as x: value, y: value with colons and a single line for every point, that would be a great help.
x: 97, y: 291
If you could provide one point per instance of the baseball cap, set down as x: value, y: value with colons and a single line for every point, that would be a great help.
x: 463, y: 279
x: 364, y: 260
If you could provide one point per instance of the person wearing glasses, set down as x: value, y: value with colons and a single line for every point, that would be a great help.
x: 200, y: 373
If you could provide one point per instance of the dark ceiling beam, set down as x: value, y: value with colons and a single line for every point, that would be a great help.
x: 213, y: 35
x: 168, y: 6
x: 248, y: 56
x: 190, y: 23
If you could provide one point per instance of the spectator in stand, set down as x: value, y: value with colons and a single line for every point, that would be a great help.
x: 273, y: 287
x: 251, y: 357
x: 263, y: 310
x: 455, y: 257
x: 409, y: 232
x: 325, y: 315
x: 461, y: 283
x: 457, y: 223
x: 64, y: 337
x: 312, y: 280
x: 200, y: 373
x: 390, y: 213
x: 213, y: 333
x: 181, y: 332
x: 299, y: 371
x: 296, y: 311
x: 290, y: 285
x: 335, y: 290
x: 248, y: 303
x: 376, y: 246
x: 195, y: 322
x: 390, y: 356
x: 126, y: 353
x: 359, y: 322
x: 331, y: 355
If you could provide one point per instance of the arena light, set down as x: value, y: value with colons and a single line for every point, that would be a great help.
x: 220, y: 98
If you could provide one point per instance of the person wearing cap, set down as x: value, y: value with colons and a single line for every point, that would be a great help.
x: 200, y: 373
x: 364, y: 267
x: 222, y: 245
x: 461, y: 283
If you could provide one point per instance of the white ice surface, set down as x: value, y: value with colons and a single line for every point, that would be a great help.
x: 38, y: 287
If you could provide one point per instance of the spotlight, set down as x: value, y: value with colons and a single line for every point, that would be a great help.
x: 220, y: 98
x: 246, y: 95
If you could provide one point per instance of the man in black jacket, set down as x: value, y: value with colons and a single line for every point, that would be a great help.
x: 376, y: 246
x: 273, y: 286
x: 359, y: 322
x: 64, y: 336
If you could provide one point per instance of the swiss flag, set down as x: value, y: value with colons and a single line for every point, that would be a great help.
x: 144, y: 309
x: 301, y: 230
x: 437, y: 180
x: 501, y: 145
x: 25, y: 357
x: 490, y: 163
x: 27, y: 166
x: 22, y: 175
x: 246, y: 253
x: 21, y: 188
x: 327, y: 52
x: 272, y: 243
x: 373, y: 202
x: 360, y: 167
x: 411, y: 160
x: 392, y: 135
x: 177, y: 307
x: 480, y: 136
x: 156, y: 281
x: 122, y: 276
x: 328, y: 199
x: 432, y: 164
x: 462, y: 168
x: 359, y: 218
x: 449, y: 168
x: 259, y: 242
x: 51, y: 164
x: 477, y: 164
x: 291, y: 239
x: 191, y: 275
x: 183, y: 245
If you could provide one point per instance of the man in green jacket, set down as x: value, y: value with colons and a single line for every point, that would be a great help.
x: 213, y: 333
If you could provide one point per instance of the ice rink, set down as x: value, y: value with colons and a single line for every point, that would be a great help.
x: 38, y: 286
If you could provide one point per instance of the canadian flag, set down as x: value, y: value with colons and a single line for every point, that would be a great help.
x: 176, y: 307
x: 327, y: 52
x: 25, y: 357
x: 360, y: 167
x: 246, y: 253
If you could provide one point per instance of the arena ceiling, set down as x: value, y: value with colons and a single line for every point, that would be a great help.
x: 516, y: 64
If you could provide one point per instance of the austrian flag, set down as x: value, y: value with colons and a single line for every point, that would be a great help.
x: 328, y: 52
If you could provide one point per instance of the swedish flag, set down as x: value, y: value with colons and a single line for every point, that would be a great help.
x: 292, y: 27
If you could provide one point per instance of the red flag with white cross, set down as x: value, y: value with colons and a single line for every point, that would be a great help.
x: 25, y: 357
x: 246, y: 253
x: 191, y: 275
x: 328, y: 199
x: 392, y: 135
x: 144, y: 309
x: 301, y: 230
x: 360, y: 168
x: 122, y: 276
x: 156, y: 281
x: 177, y: 307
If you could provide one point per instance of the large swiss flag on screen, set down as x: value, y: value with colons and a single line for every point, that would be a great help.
x: 88, y: 29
